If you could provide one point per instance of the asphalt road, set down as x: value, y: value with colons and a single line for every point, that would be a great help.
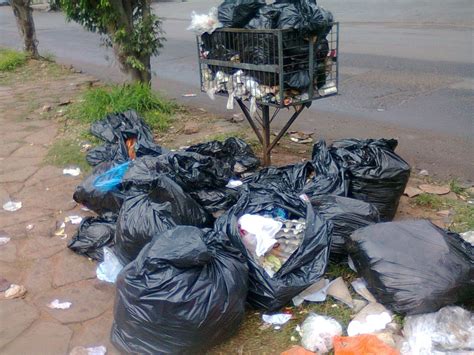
x: 407, y: 71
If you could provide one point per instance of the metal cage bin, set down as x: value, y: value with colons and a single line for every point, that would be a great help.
x: 274, y: 67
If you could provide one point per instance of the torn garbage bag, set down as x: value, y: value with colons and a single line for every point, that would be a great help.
x: 413, y: 267
x: 184, y: 293
x: 194, y: 171
x: 233, y: 151
x: 306, y: 264
x: 376, y: 173
x: 346, y: 215
x: 126, y: 136
x: 93, y: 235
x: 99, y: 200
x: 143, y: 175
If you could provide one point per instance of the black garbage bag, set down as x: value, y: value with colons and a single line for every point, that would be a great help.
x: 98, y: 200
x: 298, y: 80
x: 237, y: 13
x: 184, y: 293
x: 266, y: 18
x: 216, y: 201
x: 414, y: 267
x: 346, y: 215
x: 317, y: 21
x: 290, y: 16
x: 304, y: 267
x: 93, y: 234
x: 118, y: 129
x: 233, y: 151
x: 139, y: 220
x: 142, y: 174
x: 377, y: 174
x: 194, y: 171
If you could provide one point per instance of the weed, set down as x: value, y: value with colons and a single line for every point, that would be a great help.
x: 10, y: 59
x: 98, y: 102
x: 456, y: 187
x: 428, y: 200
x: 66, y: 152
x: 336, y: 270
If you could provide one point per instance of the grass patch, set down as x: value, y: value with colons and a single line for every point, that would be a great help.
x: 10, y: 59
x: 455, y: 187
x: 66, y: 152
x: 463, y: 214
x: 96, y: 103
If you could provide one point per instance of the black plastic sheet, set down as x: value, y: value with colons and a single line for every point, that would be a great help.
x: 305, y: 266
x: 414, y: 267
x: 376, y: 173
x: 217, y: 200
x: 233, y: 151
x: 237, y: 13
x: 93, y: 234
x: 346, y: 215
x: 95, y: 199
x: 184, y: 293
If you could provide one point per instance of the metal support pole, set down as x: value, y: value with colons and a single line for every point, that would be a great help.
x: 266, y: 135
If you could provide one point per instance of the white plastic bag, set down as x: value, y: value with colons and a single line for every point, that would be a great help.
x: 110, y: 267
x: 262, y: 229
x: 449, y: 329
x: 202, y: 23
x: 317, y: 333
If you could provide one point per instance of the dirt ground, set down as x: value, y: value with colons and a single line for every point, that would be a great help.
x: 31, y: 107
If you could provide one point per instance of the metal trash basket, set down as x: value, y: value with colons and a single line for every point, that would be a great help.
x: 269, y: 68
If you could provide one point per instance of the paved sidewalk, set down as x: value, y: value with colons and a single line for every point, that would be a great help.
x: 36, y: 258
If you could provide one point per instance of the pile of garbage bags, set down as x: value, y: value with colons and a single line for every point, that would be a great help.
x: 309, y: 23
x: 196, y: 234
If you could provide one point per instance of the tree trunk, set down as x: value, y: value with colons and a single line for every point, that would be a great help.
x: 26, y: 26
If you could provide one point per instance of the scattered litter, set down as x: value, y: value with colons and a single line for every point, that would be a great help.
x: 358, y: 305
x: 380, y: 109
x: 424, y: 173
x: 85, y: 209
x: 12, y: 206
x: 412, y: 191
x: 61, y: 231
x: 59, y: 305
x: 362, y: 344
x: 301, y: 137
x: 96, y: 350
x: 338, y: 289
x: 4, y: 240
x: 234, y: 183
x: 317, y: 333
x: 15, y: 291
x: 444, y: 213
x: 360, y: 286
x: 372, y: 318
x: 276, y: 319
x: 204, y: 23
x: 73, y: 219
x: 314, y: 293
x: 30, y: 227
x: 434, y: 189
x: 442, y: 273
x: 468, y: 237
x: 450, y: 330
x: 189, y: 95
x: 109, y: 269
x: 72, y: 171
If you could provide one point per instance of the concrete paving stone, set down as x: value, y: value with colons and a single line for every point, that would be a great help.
x: 51, y: 337
x: 30, y: 151
x: 44, y: 136
x: 40, y: 227
x: 46, y: 173
x: 38, y: 277
x: 46, y: 196
x: 10, y: 164
x: 12, y: 272
x: 8, y: 252
x: 13, y: 187
x: 95, y: 332
x: 18, y: 175
x: 89, y: 298
x: 16, y: 316
x: 70, y: 267
x: 8, y: 148
x: 15, y: 135
x: 4, y: 195
x: 41, y: 247
x: 23, y: 216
